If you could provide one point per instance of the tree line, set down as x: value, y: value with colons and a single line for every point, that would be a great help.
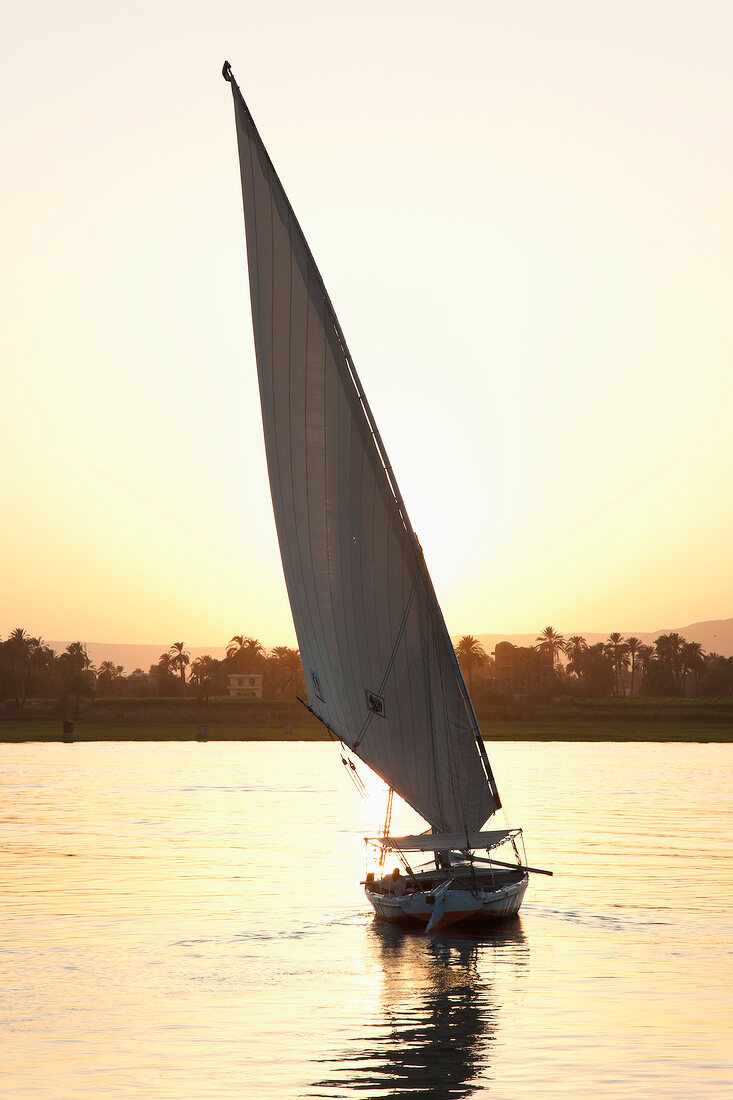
x: 670, y: 667
x: 30, y: 669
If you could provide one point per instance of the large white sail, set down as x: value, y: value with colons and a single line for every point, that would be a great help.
x: 379, y: 665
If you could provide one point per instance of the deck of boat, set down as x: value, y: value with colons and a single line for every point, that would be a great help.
x: 463, y: 876
x: 438, y: 898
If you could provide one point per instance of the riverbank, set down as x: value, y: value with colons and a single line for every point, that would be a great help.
x: 52, y: 731
x: 684, y: 733
x: 653, y: 720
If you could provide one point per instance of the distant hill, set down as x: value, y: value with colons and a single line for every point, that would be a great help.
x: 715, y: 636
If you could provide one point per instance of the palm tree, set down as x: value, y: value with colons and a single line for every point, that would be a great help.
x: 77, y: 651
x: 470, y: 654
x: 161, y: 672
x: 107, y: 673
x: 669, y: 654
x: 617, y: 652
x: 575, y: 651
x: 77, y: 673
x: 622, y: 661
x: 180, y: 658
x: 717, y: 678
x: 203, y: 672
x: 246, y: 653
x: 633, y: 648
x: 287, y: 670
x: 644, y: 660
x: 236, y: 644
x: 676, y: 644
x: 554, y: 642
x: 164, y: 663
x: 17, y: 648
x: 598, y: 670
x: 240, y: 643
x: 692, y: 661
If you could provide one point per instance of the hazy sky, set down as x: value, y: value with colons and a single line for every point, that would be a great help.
x: 523, y: 216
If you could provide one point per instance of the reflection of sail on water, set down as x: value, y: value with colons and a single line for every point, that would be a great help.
x: 439, y: 1018
x: 378, y: 661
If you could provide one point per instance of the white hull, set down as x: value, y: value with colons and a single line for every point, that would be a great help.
x: 480, y: 906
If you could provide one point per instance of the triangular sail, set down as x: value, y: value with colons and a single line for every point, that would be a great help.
x: 379, y: 665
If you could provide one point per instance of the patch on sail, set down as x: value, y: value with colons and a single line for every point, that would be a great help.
x: 317, y: 685
x: 375, y: 703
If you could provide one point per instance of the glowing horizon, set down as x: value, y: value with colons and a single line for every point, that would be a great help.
x: 530, y: 259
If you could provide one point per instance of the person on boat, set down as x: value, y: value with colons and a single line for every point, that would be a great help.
x: 394, y: 883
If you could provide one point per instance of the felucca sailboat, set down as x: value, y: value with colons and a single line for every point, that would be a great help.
x: 380, y: 668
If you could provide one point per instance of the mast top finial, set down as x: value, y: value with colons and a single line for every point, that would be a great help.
x: 226, y: 72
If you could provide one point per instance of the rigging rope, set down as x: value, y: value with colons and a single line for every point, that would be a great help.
x: 354, y: 775
x: 338, y: 741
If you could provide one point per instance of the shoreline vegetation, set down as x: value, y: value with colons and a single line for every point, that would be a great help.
x: 557, y: 690
x: 659, y: 720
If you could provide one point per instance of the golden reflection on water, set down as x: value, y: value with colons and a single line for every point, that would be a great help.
x: 186, y: 921
x: 437, y: 1015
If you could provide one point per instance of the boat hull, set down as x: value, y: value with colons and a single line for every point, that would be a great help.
x: 457, y: 906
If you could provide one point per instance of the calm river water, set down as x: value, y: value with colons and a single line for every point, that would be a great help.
x: 186, y: 921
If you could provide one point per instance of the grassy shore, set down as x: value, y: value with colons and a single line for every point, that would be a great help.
x: 46, y: 729
x: 22, y: 732
x: 692, y: 720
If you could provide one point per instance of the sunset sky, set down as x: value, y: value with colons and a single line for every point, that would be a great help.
x: 522, y: 213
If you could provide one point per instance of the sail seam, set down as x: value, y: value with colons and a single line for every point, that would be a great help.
x: 300, y: 554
